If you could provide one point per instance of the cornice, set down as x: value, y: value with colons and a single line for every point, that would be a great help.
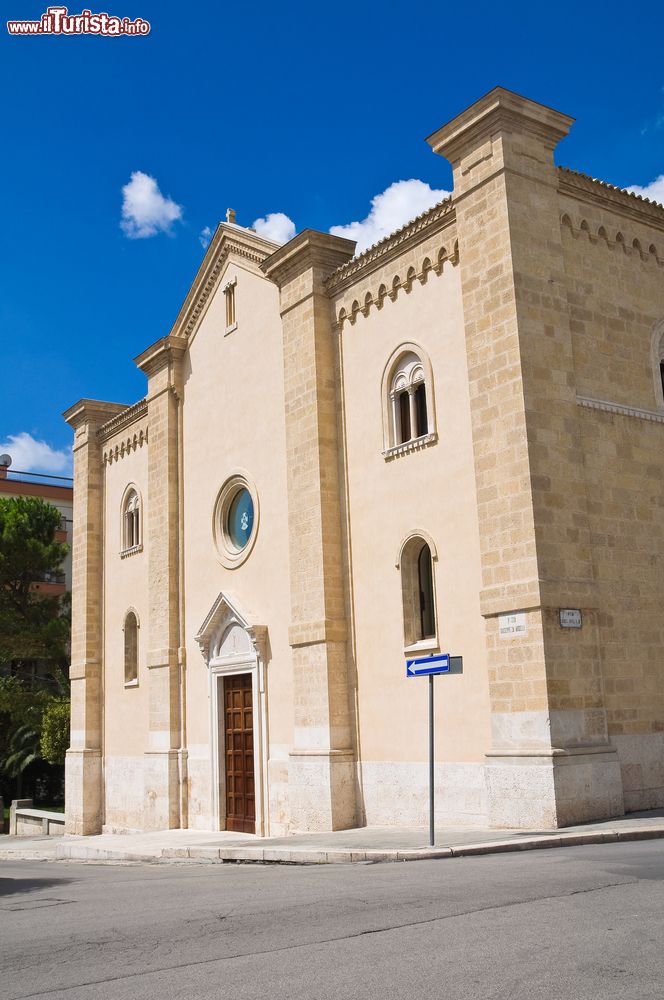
x: 161, y: 353
x: 596, y: 192
x: 500, y: 109
x: 392, y: 246
x: 309, y: 249
x: 626, y: 411
x: 228, y: 240
x: 122, y: 420
x: 92, y: 411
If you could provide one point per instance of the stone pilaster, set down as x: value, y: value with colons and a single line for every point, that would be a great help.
x: 321, y: 768
x: 163, y: 756
x: 550, y: 762
x: 83, y: 765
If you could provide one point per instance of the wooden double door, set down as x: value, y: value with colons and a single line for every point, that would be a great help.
x: 239, y: 754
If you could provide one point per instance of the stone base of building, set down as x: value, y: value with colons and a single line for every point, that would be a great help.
x: 551, y: 789
x: 316, y: 792
x: 161, y: 777
x: 641, y: 759
x: 397, y: 793
x: 83, y: 792
x: 199, y: 787
x: 124, y: 794
x: 321, y: 791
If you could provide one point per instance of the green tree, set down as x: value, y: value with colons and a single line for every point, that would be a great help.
x: 34, y: 631
x: 55, y: 732
x: 32, y: 627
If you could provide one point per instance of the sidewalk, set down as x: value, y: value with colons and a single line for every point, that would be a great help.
x: 368, y: 844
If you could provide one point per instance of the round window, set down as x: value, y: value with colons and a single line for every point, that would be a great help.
x: 240, y: 518
x: 235, y: 519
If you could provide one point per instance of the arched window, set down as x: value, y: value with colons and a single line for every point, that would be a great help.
x: 131, y: 521
x: 425, y: 586
x: 408, y: 417
x: 131, y: 648
x: 417, y: 588
x: 657, y: 357
x: 409, y: 400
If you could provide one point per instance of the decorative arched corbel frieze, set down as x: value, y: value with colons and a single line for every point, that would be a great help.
x: 118, y: 451
x: 630, y: 246
x: 366, y: 300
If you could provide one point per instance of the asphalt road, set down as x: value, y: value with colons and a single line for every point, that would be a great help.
x: 566, y: 924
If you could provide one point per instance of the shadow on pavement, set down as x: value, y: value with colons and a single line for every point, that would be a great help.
x: 20, y: 886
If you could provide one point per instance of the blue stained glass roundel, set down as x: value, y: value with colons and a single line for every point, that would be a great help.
x: 240, y: 518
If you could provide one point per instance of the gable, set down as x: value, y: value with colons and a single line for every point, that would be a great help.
x: 231, y: 246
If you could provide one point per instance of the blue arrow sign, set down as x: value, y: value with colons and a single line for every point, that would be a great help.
x: 439, y: 664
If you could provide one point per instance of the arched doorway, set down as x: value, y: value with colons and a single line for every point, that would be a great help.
x: 234, y: 651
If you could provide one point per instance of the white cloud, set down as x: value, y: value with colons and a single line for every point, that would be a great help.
x: 30, y: 455
x: 275, y: 226
x: 204, y: 237
x: 145, y: 211
x: 654, y: 190
x: 393, y: 208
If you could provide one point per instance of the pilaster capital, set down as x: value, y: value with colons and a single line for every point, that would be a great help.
x: 165, y: 353
x: 92, y: 412
x: 498, y: 111
x: 308, y: 251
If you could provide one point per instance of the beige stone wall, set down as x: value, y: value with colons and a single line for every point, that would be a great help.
x: 550, y: 761
x: 84, y: 805
x: 234, y: 420
x: 616, y: 297
x: 125, y: 588
x: 125, y: 736
x: 321, y: 772
x: 431, y: 490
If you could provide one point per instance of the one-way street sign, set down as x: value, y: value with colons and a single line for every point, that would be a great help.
x: 424, y: 665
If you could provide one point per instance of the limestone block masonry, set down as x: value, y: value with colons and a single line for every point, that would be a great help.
x: 321, y: 767
x: 531, y: 303
x: 83, y: 765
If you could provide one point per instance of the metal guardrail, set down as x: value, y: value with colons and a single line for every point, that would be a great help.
x: 43, y: 477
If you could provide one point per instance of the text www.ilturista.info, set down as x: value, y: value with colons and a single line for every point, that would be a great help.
x: 58, y: 21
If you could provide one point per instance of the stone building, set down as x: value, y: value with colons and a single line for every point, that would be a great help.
x: 451, y: 442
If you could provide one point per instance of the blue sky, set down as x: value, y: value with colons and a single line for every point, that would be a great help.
x: 303, y: 109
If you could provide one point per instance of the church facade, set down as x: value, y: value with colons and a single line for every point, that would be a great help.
x: 452, y: 442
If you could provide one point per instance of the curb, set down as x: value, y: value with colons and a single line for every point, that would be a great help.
x: 27, y: 855
x: 301, y: 856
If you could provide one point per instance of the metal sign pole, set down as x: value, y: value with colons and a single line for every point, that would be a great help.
x: 431, y: 823
x: 429, y: 666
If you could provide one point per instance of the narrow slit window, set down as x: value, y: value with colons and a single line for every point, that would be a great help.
x: 229, y: 292
x: 425, y: 580
x: 661, y: 374
x: 130, y: 648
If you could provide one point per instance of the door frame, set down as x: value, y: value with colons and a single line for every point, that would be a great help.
x: 219, y: 669
x: 252, y: 658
